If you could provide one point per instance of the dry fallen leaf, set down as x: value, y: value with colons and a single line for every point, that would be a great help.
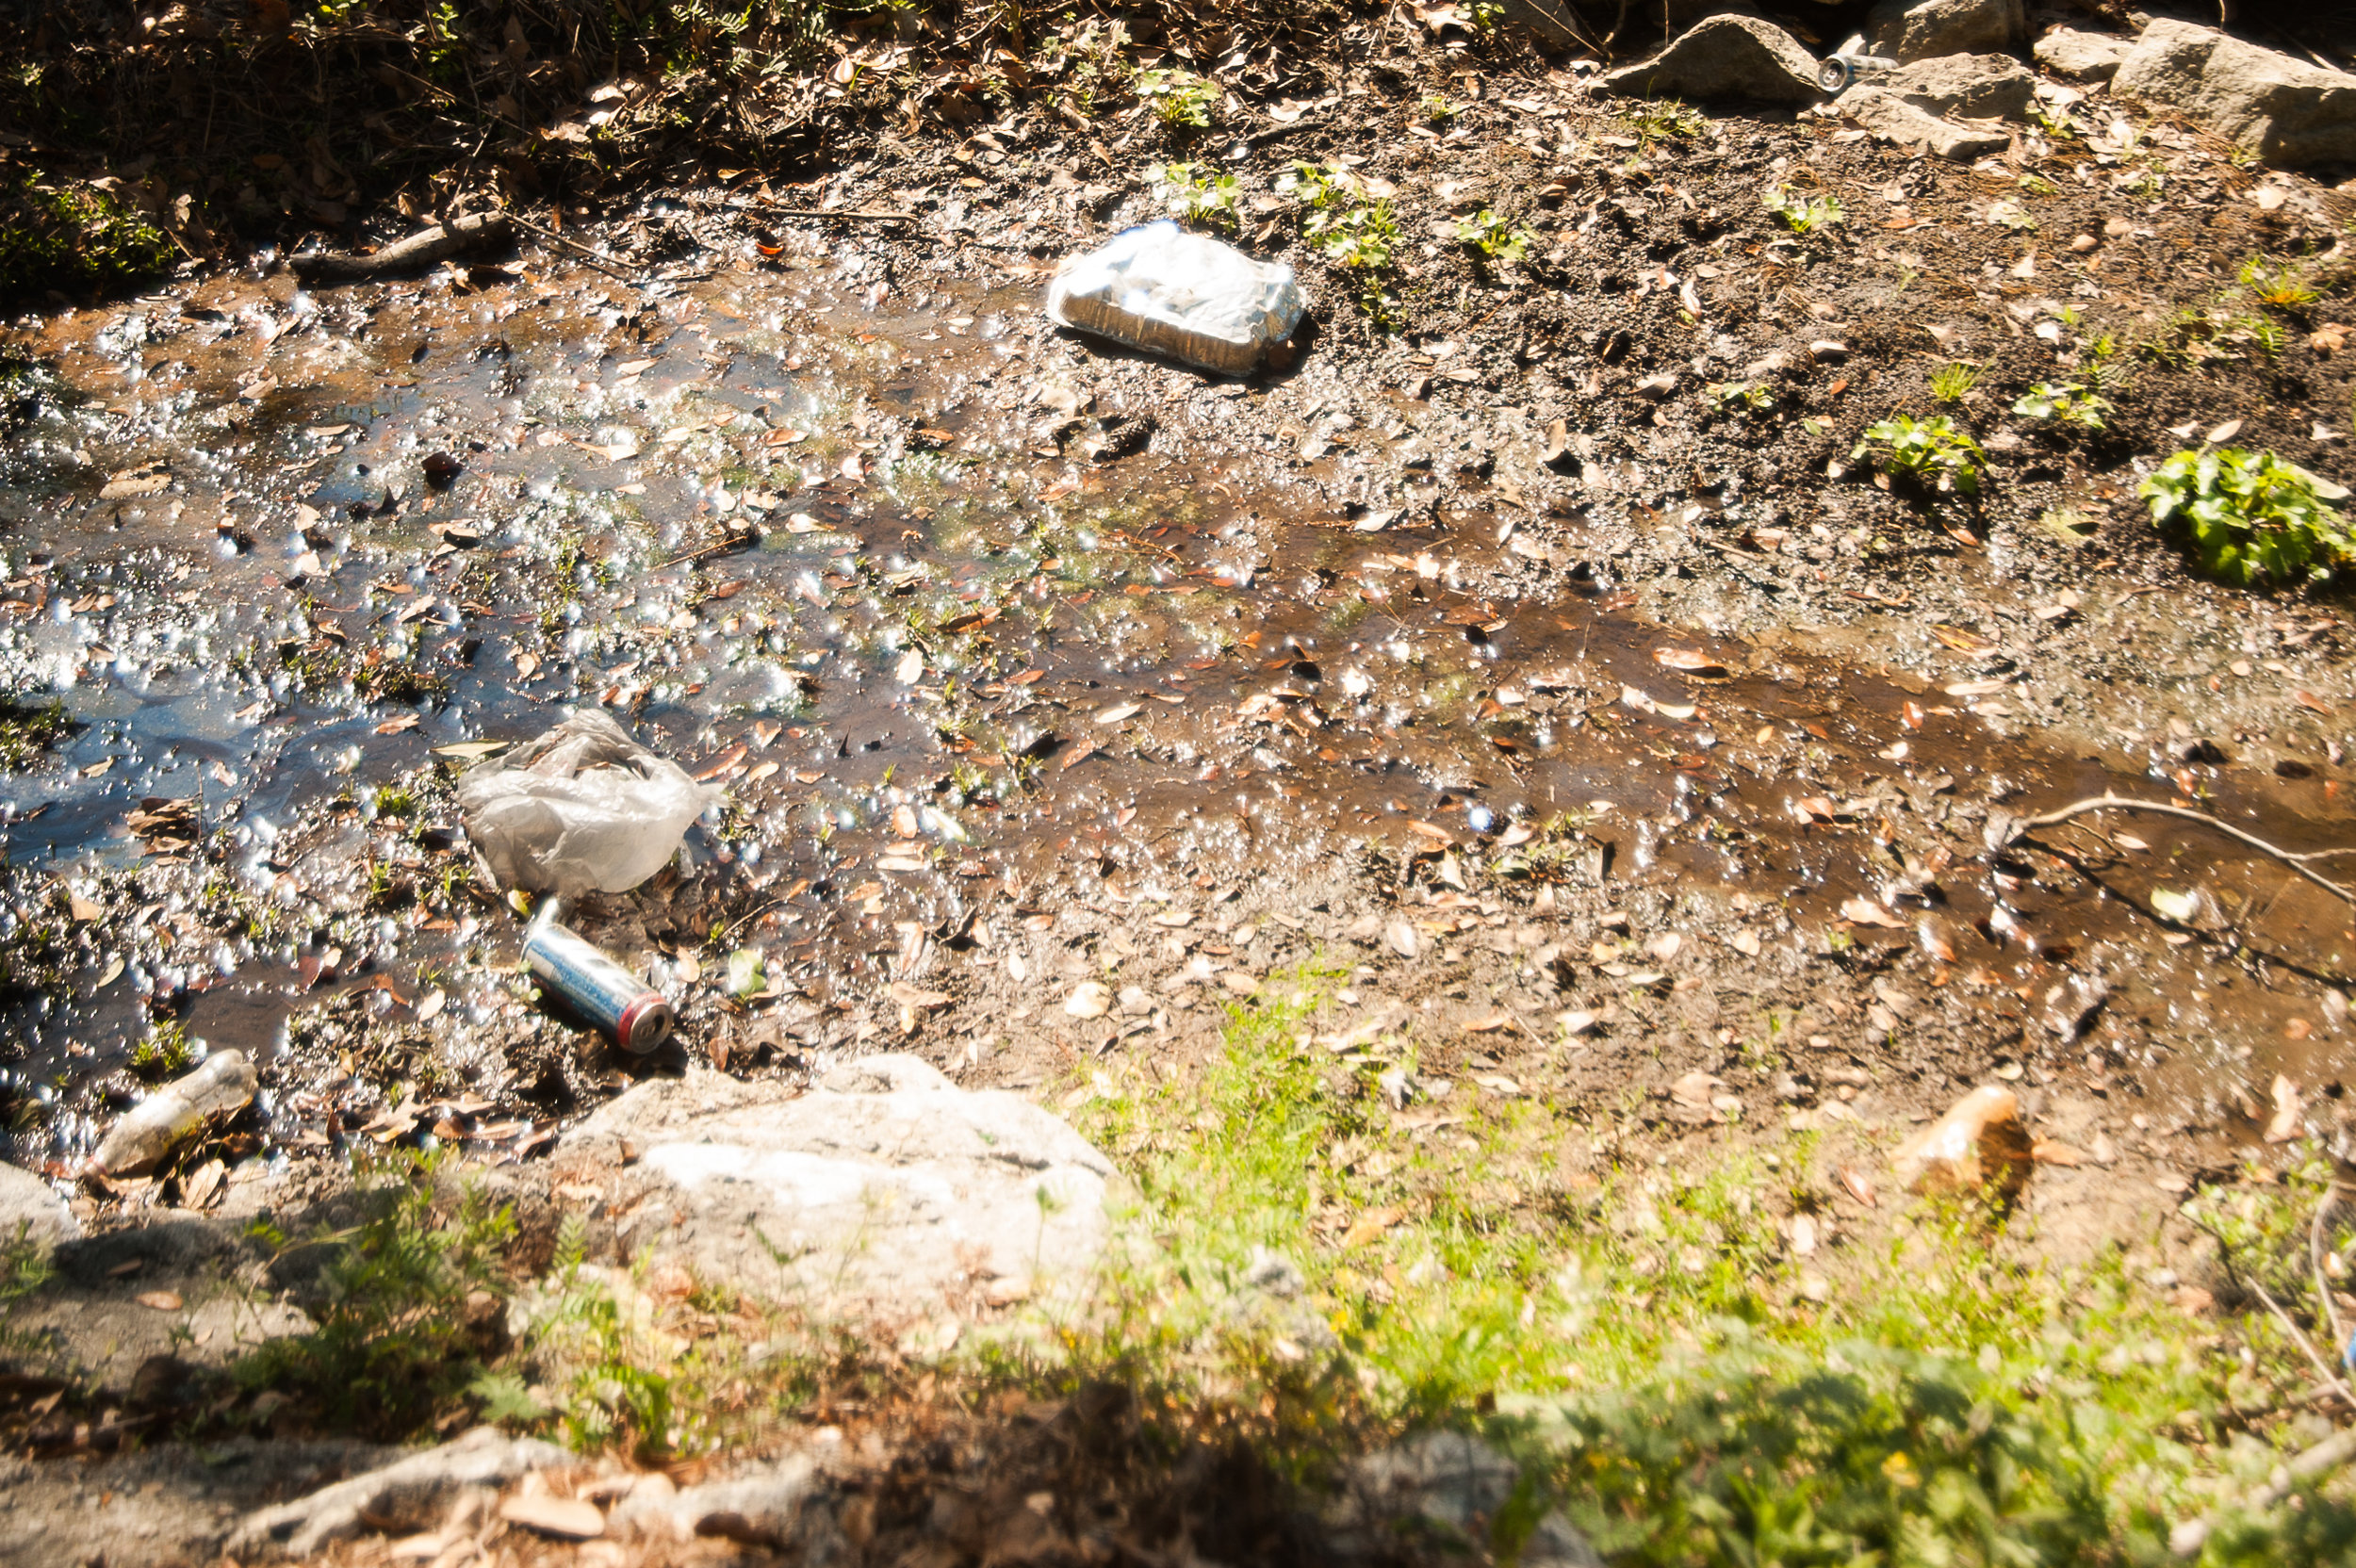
x: 1371, y: 1225
x: 1864, y: 911
x: 1690, y: 662
x: 2289, y: 1111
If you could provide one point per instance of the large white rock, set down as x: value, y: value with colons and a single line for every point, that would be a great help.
x: 31, y: 1203
x: 2082, y: 56
x: 1982, y: 86
x: 1892, y: 118
x: 886, y: 1193
x: 1929, y: 28
x: 1445, y: 1490
x: 1727, y: 56
x: 410, y: 1493
x: 2287, y: 111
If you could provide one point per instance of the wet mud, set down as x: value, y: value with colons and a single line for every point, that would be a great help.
x: 1021, y: 665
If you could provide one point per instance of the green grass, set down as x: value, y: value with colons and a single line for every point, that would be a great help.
x: 166, y: 1052
x: 1657, y: 1358
x: 29, y: 730
x: 1306, y: 1262
x: 25, y: 1271
x: 1952, y: 383
x: 2278, y: 286
x: 392, y: 1346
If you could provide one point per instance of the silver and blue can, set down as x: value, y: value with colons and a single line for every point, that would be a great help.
x: 637, y: 1016
x: 1849, y: 65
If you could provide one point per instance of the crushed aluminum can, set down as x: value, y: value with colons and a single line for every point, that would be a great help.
x: 637, y: 1016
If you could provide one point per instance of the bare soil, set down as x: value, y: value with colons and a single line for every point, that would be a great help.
x: 1609, y: 726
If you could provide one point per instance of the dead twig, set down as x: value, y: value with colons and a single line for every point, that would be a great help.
x: 2315, y: 1257
x: 2299, y: 1336
x: 733, y: 541
x: 2002, y: 830
x: 2188, y: 1539
x: 601, y: 262
x: 853, y: 215
x: 422, y: 249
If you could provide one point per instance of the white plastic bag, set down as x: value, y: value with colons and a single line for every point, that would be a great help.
x: 1168, y: 292
x: 584, y: 808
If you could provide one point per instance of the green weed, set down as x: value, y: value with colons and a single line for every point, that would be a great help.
x: 2278, y: 286
x: 1343, y: 223
x: 2250, y: 517
x: 1665, y: 120
x: 1805, y: 216
x: 29, y: 730
x: 1740, y: 397
x: 393, y: 1347
x: 1179, y: 98
x: 2055, y: 122
x: 1657, y: 1359
x: 1493, y: 237
x: 25, y: 1271
x: 1930, y: 453
x: 164, y: 1051
x: 2063, y: 402
x: 73, y: 237
x: 1194, y: 193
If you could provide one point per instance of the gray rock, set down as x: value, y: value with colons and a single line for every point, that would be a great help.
x: 28, y: 1202
x: 2082, y: 56
x: 1933, y: 28
x: 160, y: 1504
x: 1891, y: 119
x: 1448, y: 1486
x: 1981, y: 86
x: 765, y: 1506
x: 886, y: 1190
x: 408, y: 1495
x: 2288, y: 112
x: 1727, y: 56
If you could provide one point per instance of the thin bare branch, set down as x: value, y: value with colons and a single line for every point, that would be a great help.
x: 2005, y: 831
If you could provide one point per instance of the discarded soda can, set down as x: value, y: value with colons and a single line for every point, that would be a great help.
x: 1849, y: 65
x: 637, y: 1016
x: 221, y: 1085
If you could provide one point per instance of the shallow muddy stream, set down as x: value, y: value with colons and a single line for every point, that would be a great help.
x: 968, y: 648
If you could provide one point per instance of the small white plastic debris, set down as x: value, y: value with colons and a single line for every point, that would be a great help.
x: 1184, y: 296
x: 584, y: 805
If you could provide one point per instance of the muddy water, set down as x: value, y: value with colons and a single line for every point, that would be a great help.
x: 867, y: 556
